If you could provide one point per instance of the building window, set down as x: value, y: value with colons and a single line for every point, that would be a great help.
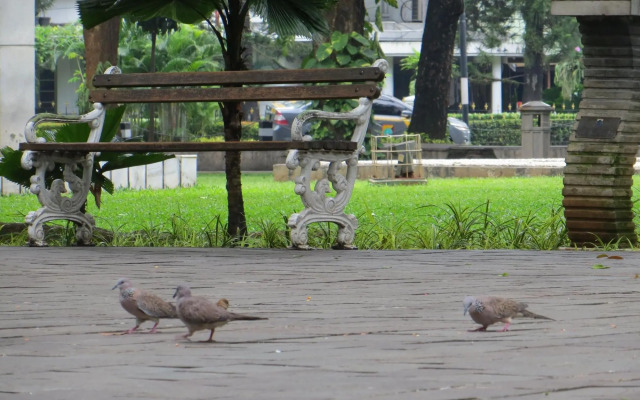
x: 46, y: 96
x: 413, y: 10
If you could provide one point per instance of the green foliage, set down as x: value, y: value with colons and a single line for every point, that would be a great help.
x: 190, y: 48
x: 43, y: 5
x: 445, y: 214
x: 546, y: 39
x: 506, y: 129
x: 569, y: 75
x: 11, y: 169
x: 343, y: 50
x: 57, y: 41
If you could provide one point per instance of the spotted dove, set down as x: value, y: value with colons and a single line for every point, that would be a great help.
x: 198, y: 313
x: 487, y: 310
x: 143, y: 305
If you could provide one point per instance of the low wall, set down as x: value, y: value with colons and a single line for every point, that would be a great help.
x: 251, y: 160
x: 441, y: 151
x: 445, y: 169
x: 180, y: 171
x: 265, y: 160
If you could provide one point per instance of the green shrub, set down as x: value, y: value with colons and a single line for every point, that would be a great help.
x: 505, y: 129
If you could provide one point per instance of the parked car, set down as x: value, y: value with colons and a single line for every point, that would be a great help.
x: 391, y: 116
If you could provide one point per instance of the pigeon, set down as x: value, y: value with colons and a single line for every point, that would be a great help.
x: 488, y: 310
x: 198, y: 313
x: 143, y: 305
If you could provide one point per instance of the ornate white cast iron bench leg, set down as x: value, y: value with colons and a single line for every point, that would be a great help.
x: 318, y: 207
x: 76, y: 172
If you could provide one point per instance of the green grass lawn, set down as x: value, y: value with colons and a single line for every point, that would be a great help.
x: 445, y: 213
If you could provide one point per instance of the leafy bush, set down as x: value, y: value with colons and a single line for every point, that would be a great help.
x: 505, y: 129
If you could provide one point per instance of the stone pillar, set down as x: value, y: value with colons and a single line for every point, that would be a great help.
x: 17, y: 69
x: 536, y: 129
x: 602, y: 149
x: 496, y: 85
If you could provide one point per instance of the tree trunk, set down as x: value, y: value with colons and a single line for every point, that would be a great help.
x: 434, y: 68
x: 151, y: 134
x: 237, y: 222
x: 347, y: 16
x: 232, y: 117
x: 101, y: 44
x: 534, y: 18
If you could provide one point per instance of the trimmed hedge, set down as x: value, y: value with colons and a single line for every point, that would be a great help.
x: 504, y: 129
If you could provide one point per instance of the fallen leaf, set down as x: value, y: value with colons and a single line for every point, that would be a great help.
x: 602, y: 256
x: 600, y: 266
x: 504, y: 274
x: 616, y: 258
x: 637, y: 276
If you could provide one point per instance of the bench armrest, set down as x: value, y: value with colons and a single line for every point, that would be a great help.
x: 360, y: 114
x: 94, y: 118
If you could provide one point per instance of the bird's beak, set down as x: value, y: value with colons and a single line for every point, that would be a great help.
x: 114, y: 286
x: 175, y: 293
x: 466, y: 308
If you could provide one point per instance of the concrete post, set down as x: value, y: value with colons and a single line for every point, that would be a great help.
x: 496, y: 85
x: 536, y: 129
x: 17, y: 69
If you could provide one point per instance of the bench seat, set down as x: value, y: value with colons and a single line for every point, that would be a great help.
x: 65, y: 199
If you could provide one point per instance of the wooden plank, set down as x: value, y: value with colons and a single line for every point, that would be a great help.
x: 144, y: 147
x: 159, y: 79
x: 235, y: 94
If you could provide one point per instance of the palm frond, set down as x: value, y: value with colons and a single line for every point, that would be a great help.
x: 95, y: 12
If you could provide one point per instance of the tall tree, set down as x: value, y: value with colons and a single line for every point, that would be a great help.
x: 535, y: 14
x: 347, y: 16
x: 546, y: 38
x: 155, y: 26
x: 288, y: 17
x: 434, y: 68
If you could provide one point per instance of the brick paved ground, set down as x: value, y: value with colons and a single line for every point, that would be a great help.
x: 342, y: 325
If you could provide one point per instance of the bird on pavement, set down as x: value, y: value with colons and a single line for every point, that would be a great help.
x: 487, y: 310
x: 198, y: 313
x: 143, y: 305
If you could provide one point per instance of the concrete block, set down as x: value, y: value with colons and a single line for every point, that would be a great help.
x: 8, y: 187
x: 155, y: 172
x: 188, y: 169
x: 138, y: 177
x: 120, y: 178
x: 171, y: 173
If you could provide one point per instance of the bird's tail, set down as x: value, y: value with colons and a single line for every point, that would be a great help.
x: 529, y: 314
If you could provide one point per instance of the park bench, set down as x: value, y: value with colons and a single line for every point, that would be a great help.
x: 113, y: 87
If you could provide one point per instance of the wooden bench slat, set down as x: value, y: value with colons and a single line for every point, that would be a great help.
x: 159, y: 79
x: 179, y: 95
x: 144, y: 147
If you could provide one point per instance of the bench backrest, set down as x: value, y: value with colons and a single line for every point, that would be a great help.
x: 171, y: 87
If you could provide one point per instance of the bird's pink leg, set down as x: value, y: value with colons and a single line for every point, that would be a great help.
x: 153, y: 330
x: 480, y: 329
x: 506, y: 327
x: 131, y: 330
x: 211, y: 337
x: 185, y: 336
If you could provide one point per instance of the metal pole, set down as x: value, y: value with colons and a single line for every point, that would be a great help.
x: 464, y: 73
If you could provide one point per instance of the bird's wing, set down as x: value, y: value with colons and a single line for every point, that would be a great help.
x: 199, y: 310
x: 154, y: 306
x: 504, y: 308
